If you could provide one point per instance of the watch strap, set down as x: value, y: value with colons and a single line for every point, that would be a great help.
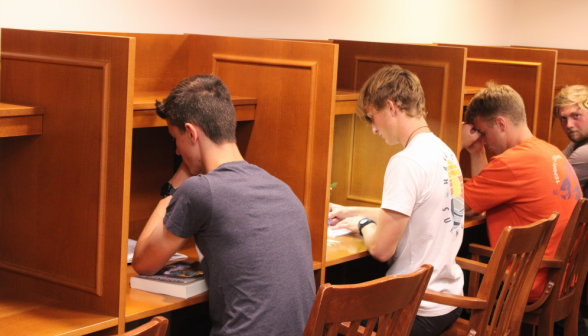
x: 363, y: 223
x: 167, y: 190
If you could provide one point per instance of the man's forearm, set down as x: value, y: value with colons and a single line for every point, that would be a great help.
x: 155, y: 219
x: 366, y: 212
x: 479, y: 161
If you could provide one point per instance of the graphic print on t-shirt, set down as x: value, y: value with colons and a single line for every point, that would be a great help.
x: 456, y: 194
x: 570, y: 186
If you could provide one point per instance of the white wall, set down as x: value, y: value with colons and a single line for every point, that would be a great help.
x: 485, y: 22
x: 416, y: 21
x: 550, y: 23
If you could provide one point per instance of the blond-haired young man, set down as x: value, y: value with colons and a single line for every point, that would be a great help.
x: 420, y: 220
x: 571, y: 108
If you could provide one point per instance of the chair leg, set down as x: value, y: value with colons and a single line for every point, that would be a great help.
x: 545, y: 326
x: 571, y: 324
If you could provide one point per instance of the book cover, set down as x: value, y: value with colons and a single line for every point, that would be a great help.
x: 182, y: 279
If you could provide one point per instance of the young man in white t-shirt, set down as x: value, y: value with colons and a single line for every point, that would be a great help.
x: 420, y: 220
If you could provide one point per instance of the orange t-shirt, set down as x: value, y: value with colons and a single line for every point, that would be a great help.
x: 524, y: 184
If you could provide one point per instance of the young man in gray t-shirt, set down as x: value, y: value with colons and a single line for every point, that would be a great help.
x: 251, y: 228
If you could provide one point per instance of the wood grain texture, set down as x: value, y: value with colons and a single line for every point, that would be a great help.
x: 294, y: 84
x: 360, y: 157
x: 531, y: 72
x: 572, y: 69
x: 144, y: 109
x: 23, y: 313
x: 63, y: 192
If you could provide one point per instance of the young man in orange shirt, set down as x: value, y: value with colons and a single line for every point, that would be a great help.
x: 525, y: 181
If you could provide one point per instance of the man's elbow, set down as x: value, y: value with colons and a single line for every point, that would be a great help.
x: 142, y: 267
x: 381, y: 255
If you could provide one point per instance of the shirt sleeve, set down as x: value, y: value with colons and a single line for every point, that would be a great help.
x: 190, y: 209
x: 579, y: 161
x: 495, y: 185
x: 402, y: 185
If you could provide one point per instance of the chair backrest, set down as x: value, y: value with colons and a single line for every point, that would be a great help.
x: 156, y: 327
x: 573, y: 250
x: 393, y: 299
x: 509, y: 277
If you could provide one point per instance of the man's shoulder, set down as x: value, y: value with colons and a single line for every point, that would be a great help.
x: 529, y: 149
x: 427, y: 149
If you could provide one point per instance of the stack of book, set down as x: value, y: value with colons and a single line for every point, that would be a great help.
x: 182, y: 279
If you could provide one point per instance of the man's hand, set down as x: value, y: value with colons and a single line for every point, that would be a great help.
x: 349, y: 223
x: 471, y: 140
x: 337, y: 213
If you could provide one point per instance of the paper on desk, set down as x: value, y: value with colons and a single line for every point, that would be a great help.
x: 131, y: 252
x: 336, y: 233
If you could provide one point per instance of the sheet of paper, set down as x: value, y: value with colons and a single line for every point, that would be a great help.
x: 131, y: 252
x: 337, y: 233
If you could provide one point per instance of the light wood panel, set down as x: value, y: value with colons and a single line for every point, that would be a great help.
x: 531, y: 72
x: 64, y: 201
x: 360, y: 157
x: 294, y: 83
x: 572, y: 69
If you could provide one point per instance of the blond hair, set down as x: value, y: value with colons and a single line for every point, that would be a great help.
x: 396, y: 84
x: 571, y: 95
x: 496, y: 100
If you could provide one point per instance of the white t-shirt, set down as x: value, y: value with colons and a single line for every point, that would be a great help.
x: 424, y: 182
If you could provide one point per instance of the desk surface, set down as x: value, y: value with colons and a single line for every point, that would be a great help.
x: 23, y: 313
x: 141, y: 304
x: 352, y: 247
x: 145, y: 100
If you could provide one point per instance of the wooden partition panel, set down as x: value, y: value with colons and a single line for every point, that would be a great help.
x: 572, y: 69
x: 531, y: 72
x: 161, y: 60
x: 360, y: 157
x: 294, y: 83
x: 64, y: 200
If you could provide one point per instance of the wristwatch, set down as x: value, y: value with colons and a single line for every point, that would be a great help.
x: 167, y: 190
x: 362, y: 223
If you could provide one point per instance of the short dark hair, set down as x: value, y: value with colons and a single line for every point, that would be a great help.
x: 393, y: 83
x: 496, y: 100
x: 203, y: 100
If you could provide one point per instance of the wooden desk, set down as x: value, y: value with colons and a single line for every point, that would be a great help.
x: 25, y: 313
x: 16, y: 120
x: 144, y: 109
x: 141, y: 304
x: 352, y: 246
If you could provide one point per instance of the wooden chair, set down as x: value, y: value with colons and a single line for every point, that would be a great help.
x: 394, y: 299
x: 156, y: 327
x: 566, y: 277
x: 500, y: 302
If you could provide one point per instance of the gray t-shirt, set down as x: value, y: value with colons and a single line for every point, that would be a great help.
x: 253, y: 233
x: 578, y: 157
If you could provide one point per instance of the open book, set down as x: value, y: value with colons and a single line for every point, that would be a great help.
x: 131, y: 252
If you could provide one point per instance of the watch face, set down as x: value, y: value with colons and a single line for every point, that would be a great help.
x: 363, y: 221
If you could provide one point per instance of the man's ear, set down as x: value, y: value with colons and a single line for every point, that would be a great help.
x: 192, y: 132
x: 393, y: 108
x: 501, y: 123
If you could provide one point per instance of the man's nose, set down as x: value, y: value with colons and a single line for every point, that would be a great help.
x: 374, y: 129
x: 569, y: 123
